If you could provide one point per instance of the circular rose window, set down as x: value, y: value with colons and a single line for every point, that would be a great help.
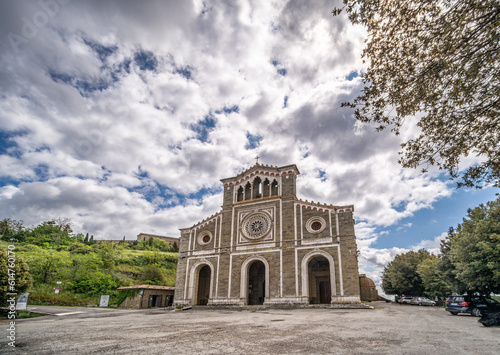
x: 315, y: 225
x: 204, y: 238
x: 256, y: 225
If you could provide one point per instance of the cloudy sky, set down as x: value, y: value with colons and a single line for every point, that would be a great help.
x: 124, y: 116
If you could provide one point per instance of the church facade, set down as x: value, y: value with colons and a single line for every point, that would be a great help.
x: 266, y: 246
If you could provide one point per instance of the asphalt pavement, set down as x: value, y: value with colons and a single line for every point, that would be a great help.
x: 387, y: 329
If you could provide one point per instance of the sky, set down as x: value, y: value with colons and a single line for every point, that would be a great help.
x: 125, y: 115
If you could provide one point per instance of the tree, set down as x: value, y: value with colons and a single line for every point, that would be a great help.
x: 9, y: 227
x: 438, y: 60
x: 86, y: 239
x: 475, y: 249
x: 400, y: 276
x: 22, y: 278
x: 44, y: 265
x: 432, y: 278
x: 153, y: 275
x: 107, y: 253
x: 447, y: 268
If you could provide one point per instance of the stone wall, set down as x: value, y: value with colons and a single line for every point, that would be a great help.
x: 140, y: 301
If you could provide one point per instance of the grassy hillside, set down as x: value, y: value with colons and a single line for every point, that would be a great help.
x: 87, y: 269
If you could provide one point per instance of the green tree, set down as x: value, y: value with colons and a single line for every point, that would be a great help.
x: 94, y: 285
x: 107, y: 253
x: 437, y: 61
x: 86, y: 239
x: 400, y: 276
x: 153, y: 275
x: 45, y: 265
x: 10, y: 227
x: 475, y: 249
x: 446, y: 266
x: 47, y: 234
x: 22, y: 278
x: 432, y: 278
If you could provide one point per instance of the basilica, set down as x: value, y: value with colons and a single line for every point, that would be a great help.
x: 267, y: 246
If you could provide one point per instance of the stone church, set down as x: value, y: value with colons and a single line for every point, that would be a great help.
x: 266, y: 246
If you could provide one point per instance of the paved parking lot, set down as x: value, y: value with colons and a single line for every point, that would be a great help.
x: 387, y: 329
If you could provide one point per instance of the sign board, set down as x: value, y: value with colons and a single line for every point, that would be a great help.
x: 104, y: 301
x: 22, y: 302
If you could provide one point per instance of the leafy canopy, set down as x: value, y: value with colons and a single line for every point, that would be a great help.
x: 19, y: 269
x: 474, y: 249
x: 438, y: 60
x: 401, y: 275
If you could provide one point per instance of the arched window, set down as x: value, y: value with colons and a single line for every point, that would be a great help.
x: 248, y: 191
x: 239, y: 194
x: 274, y: 188
x: 257, y: 187
x: 266, y: 191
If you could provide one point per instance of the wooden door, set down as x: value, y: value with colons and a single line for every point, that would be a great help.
x: 325, y: 294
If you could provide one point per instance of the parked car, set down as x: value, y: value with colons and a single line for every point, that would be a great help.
x: 406, y: 300
x: 423, y: 301
x: 474, y: 305
x: 490, y: 318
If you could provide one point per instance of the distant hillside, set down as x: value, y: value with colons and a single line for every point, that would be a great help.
x: 85, y: 269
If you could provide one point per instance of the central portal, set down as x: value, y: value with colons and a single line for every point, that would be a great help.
x: 319, y: 281
x: 256, y: 283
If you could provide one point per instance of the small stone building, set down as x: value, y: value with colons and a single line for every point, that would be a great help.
x: 368, y: 290
x: 266, y: 246
x: 148, y: 296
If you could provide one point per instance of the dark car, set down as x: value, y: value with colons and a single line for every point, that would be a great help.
x: 474, y: 305
x: 490, y: 318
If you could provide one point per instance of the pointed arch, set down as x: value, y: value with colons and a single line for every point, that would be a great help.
x: 266, y: 190
x: 257, y: 187
x: 248, y: 191
x: 274, y: 188
x: 239, y: 194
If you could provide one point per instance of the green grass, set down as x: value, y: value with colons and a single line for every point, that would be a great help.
x: 23, y: 315
x: 27, y: 314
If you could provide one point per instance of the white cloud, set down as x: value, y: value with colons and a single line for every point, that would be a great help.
x: 433, y: 246
x: 124, y: 157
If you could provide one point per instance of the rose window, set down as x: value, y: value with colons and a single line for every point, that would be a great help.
x: 316, y: 226
x: 256, y: 226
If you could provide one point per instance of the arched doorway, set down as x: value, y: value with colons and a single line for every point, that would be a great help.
x: 256, y: 283
x: 320, y: 291
x: 203, y: 287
